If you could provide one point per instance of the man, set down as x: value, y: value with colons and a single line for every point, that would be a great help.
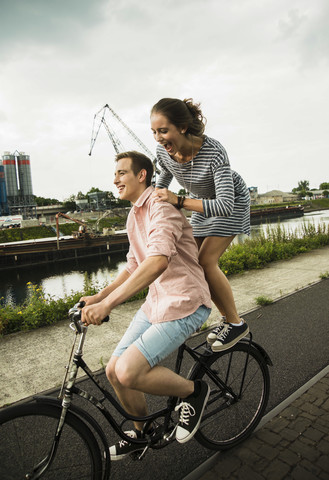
x: 162, y: 256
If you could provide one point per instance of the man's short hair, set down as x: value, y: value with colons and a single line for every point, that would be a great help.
x: 139, y: 161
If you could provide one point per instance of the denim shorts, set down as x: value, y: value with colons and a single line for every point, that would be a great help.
x: 158, y: 340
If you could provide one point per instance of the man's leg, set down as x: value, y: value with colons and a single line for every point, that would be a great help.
x: 133, y: 401
x: 134, y: 372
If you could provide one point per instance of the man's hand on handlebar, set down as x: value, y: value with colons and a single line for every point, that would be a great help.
x: 90, y: 300
x: 94, y: 314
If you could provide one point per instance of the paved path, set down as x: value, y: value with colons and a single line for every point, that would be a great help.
x: 294, y: 445
x: 33, y: 361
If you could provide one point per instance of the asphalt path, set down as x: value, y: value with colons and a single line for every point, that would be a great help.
x: 294, y: 331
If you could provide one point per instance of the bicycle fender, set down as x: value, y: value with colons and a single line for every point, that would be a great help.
x: 261, y: 350
x: 85, y: 417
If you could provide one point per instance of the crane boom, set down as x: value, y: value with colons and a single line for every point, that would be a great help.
x: 131, y: 133
x: 114, y: 139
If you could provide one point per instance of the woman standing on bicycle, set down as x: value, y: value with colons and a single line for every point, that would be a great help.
x: 217, y: 196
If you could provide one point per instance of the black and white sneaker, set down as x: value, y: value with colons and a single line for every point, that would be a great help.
x: 212, y: 337
x: 123, y: 448
x: 229, y: 336
x: 191, y: 410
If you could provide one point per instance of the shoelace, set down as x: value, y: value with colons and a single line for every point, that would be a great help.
x: 219, y: 328
x: 131, y: 434
x: 224, y: 331
x: 187, y: 411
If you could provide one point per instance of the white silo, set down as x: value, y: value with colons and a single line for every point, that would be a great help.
x: 24, y: 174
x: 9, y: 164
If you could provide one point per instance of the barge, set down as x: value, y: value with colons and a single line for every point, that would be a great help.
x: 33, y: 252
x: 275, y: 214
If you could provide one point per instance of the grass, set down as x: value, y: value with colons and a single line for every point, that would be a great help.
x: 324, y: 275
x: 275, y: 244
x: 263, y: 300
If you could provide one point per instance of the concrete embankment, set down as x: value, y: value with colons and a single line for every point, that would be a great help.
x: 34, y: 361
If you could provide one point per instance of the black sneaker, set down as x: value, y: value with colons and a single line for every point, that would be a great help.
x: 123, y: 448
x: 212, y: 337
x: 191, y: 410
x: 229, y: 336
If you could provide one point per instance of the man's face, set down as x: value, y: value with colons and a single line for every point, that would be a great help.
x: 128, y: 185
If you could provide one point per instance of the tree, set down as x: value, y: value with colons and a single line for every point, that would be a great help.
x: 80, y: 196
x: 324, y: 186
x: 303, y: 186
x: 94, y: 190
x: 42, y: 202
x: 302, y: 189
x: 69, y: 203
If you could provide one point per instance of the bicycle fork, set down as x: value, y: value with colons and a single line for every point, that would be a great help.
x: 39, y: 469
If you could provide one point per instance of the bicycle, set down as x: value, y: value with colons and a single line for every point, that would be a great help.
x: 41, y: 438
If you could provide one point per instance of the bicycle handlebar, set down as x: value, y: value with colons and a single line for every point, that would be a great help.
x: 75, y: 316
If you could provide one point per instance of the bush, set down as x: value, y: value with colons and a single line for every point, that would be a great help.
x: 276, y: 244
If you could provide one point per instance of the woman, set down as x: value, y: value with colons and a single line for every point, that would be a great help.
x: 217, y: 196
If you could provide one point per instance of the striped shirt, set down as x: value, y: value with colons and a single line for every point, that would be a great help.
x: 225, y: 196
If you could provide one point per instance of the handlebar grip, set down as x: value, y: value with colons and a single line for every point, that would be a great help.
x: 77, y: 313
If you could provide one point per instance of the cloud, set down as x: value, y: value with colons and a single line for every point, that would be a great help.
x: 259, y: 69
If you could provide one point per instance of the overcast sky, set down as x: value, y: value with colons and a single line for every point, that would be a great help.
x: 260, y: 69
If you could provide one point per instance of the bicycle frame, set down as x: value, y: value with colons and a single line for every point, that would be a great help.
x: 69, y: 388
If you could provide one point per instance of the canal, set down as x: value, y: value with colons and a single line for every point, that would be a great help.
x: 62, y: 278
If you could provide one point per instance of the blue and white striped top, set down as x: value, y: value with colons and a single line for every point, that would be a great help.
x: 226, y: 199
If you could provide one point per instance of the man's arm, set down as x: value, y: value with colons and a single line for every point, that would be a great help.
x: 98, y: 297
x: 145, y: 274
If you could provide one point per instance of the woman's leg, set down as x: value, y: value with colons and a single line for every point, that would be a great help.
x: 210, y: 250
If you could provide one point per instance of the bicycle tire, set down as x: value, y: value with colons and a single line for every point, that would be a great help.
x: 226, y: 422
x: 27, y: 434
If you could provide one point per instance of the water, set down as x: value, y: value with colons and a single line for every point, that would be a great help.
x: 64, y: 277
x: 59, y: 279
x: 293, y: 224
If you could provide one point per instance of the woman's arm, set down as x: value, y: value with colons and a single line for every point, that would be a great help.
x: 165, y: 195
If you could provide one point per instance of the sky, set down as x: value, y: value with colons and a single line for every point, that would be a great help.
x: 259, y: 68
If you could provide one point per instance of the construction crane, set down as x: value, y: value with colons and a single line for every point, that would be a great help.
x: 80, y: 222
x: 99, y: 120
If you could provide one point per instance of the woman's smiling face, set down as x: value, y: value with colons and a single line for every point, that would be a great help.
x: 167, y: 134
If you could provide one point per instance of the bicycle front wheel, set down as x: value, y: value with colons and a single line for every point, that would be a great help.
x: 237, y: 400
x: 27, y: 434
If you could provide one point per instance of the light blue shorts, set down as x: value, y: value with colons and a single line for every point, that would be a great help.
x: 158, y: 340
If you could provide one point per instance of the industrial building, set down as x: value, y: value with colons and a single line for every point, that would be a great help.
x: 16, y: 192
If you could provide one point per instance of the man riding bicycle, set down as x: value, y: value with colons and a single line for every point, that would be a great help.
x: 162, y: 256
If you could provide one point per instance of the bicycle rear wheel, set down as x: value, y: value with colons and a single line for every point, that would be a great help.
x: 230, y: 416
x: 27, y: 433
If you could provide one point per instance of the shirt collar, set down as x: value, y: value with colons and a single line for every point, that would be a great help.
x: 145, y: 195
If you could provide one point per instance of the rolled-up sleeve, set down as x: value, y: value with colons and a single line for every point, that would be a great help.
x: 131, y: 262
x: 165, y: 229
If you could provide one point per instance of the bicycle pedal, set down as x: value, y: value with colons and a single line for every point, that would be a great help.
x: 137, y: 455
x: 170, y: 434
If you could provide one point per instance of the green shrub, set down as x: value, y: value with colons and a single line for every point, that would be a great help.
x: 273, y: 245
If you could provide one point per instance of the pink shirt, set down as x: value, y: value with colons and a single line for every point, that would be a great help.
x: 158, y: 228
